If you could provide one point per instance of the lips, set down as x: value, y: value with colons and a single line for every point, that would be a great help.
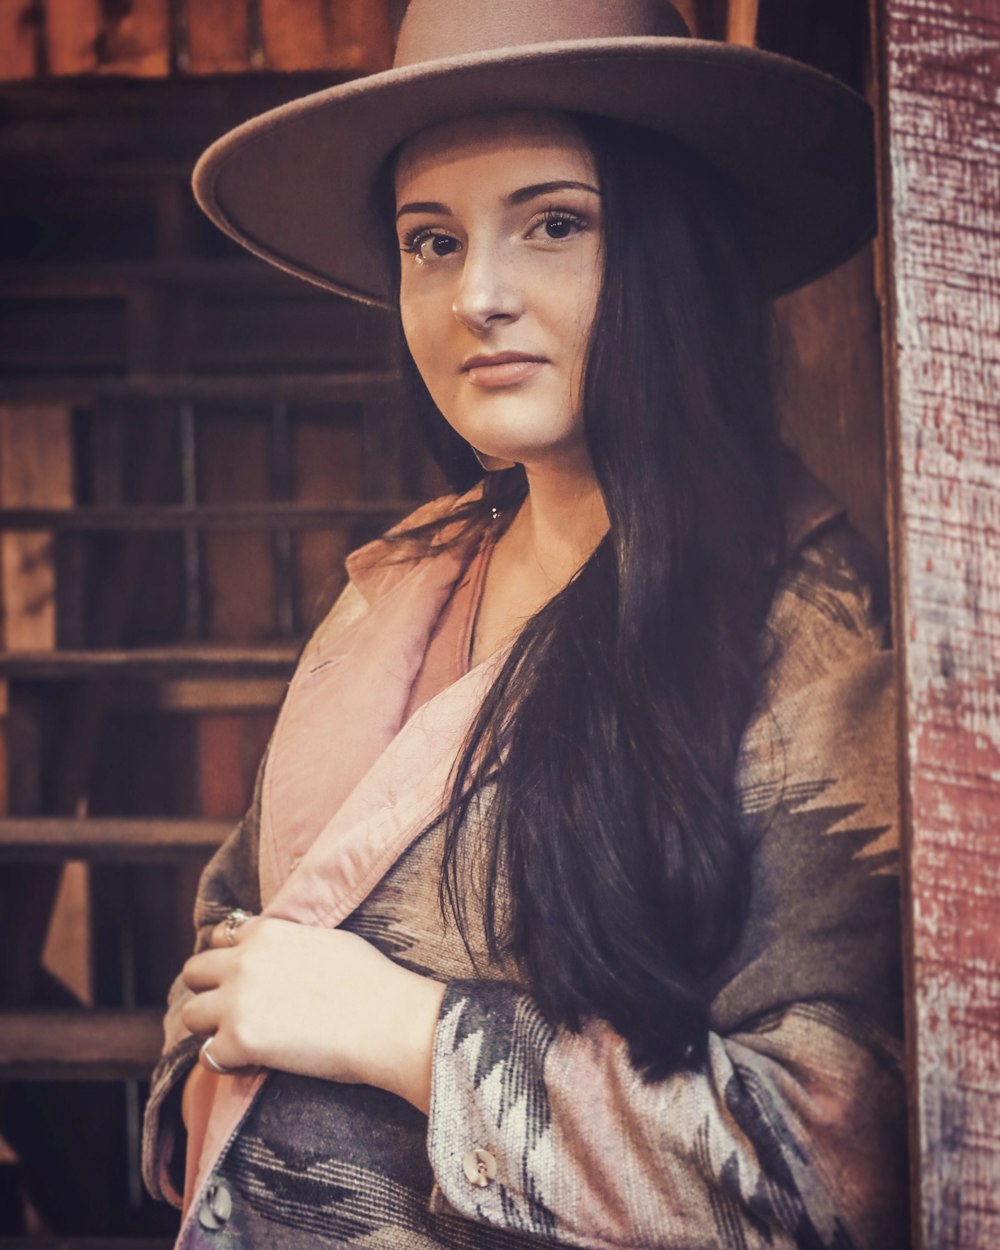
x: 501, y: 368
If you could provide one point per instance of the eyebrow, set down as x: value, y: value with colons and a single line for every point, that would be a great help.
x: 521, y: 196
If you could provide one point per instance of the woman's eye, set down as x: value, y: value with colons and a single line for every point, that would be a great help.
x: 558, y: 225
x: 429, y: 245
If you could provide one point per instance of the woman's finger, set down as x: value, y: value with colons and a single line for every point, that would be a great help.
x: 232, y: 930
x: 207, y: 970
x: 202, y: 1014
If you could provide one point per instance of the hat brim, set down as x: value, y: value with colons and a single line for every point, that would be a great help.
x: 294, y: 184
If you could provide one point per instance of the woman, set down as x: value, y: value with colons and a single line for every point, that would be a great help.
x: 622, y: 708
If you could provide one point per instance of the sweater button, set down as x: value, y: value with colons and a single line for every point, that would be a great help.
x: 480, y: 1167
x: 216, y: 1206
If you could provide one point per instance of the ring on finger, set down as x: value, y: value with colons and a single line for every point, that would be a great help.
x: 209, y: 1061
x: 234, y: 919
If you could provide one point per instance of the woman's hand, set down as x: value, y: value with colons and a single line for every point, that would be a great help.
x: 319, y: 1002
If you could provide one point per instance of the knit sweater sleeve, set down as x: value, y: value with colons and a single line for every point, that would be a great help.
x: 791, y: 1132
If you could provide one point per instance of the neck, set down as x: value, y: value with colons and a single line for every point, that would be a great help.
x: 562, y: 520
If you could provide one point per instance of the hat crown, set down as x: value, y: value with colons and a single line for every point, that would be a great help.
x: 436, y: 29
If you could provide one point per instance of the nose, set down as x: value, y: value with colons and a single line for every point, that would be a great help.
x: 488, y: 293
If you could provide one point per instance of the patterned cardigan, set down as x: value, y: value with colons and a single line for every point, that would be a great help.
x: 792, y: 1133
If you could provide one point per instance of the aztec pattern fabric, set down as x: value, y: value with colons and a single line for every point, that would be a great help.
x: 791, y: 1135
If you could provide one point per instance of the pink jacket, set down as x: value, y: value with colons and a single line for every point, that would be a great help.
x: 389, y: 781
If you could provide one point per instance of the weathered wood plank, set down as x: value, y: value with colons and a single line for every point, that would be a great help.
x: 830, y: 401
x: 91, y: 1045
x: 187, y: 695
x: 152, y: 662
x: 361, y: 37
x: 296, y: 33
x: 17, y: 39
x: 88, y: 36
x: 234, y: 455
x: 168, y: 518
x: 122, y: 839
x: 72, y: 30
x: 741, y: 22
x: 218, y: 38
x: 940, y: 122
x: 316, y: 34
x: 330, y: 388
x: 36, y: 470
x: 328, y: 465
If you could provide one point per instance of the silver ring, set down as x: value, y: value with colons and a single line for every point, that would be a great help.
x: 234, y: 919
x: 210, y: 1062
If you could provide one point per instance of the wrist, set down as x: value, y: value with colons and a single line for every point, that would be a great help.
x: 413, y: 1004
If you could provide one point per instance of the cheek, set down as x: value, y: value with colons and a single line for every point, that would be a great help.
x: 421, y: 329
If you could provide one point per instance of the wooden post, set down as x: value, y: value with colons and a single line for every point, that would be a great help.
x: 939, y: 118
x: 36, y: 470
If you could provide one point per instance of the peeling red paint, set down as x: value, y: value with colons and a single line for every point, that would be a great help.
x: 941, y: 140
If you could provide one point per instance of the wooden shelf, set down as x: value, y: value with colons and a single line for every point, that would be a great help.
x: 121, y: 839
x: 194, y: 695
x: 285, y: 516
x: 331, y: 388
x: 152, y: 662
x: 80, y: 1045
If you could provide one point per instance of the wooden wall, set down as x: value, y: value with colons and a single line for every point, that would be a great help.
x: 940, y: 131
x: 153, y: 38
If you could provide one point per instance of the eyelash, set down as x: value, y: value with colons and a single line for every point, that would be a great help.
x: 416, y: 236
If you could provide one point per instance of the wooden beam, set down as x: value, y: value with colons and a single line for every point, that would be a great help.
x: 170, y: 518
x: 188, y: 695
x: 118, y: 839
x: 332, y: 388
x: 85, y: 1045
x: 741, y: 22
x: 939, y: 116
x: 152, y: 662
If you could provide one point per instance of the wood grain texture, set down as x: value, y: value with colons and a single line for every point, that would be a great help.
x: 17, y: 39
x: 361, y: 34
x: 114, y: 839
x: 271, y: 660
x: 72, y: 29
x: 327, y: 34
x: 741, y: 22
x: 296, y: 33
x: 828, y: 384
x: 218, y: 38
x: 91, y: 36
x: 940, y: 120
x: 36, y: 470
x: 104, y: 1045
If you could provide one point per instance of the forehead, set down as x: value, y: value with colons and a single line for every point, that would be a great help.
x: 499, y: 144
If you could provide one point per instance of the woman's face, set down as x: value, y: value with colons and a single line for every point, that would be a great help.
x: 499, y: 224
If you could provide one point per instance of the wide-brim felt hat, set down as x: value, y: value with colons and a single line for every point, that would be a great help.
x: 793, y: 145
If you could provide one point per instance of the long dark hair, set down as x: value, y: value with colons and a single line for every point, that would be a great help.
x: 618, y: 714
